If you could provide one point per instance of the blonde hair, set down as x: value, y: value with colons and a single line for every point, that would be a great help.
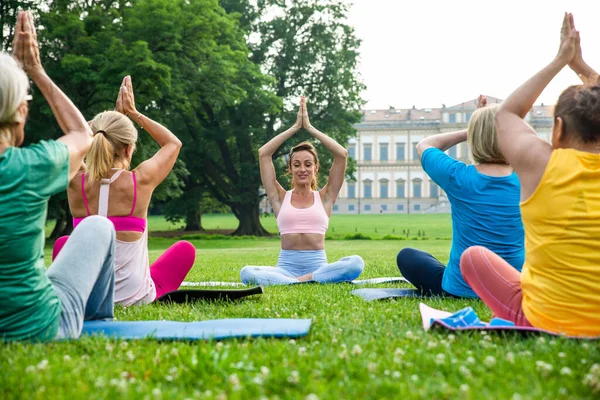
x: 305, y: 146
x: 113, y: 133
x: 13, y: 92
x: 481, y: 137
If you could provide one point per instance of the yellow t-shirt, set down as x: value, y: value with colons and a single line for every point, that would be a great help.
x: 561, y: 275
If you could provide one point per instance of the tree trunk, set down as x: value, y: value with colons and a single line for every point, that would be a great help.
x: 193, y: 219
x: 64, y: 222
x: 249, y: 218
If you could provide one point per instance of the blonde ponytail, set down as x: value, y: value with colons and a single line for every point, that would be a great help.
x: 100, y: 158
x: 113, y: 134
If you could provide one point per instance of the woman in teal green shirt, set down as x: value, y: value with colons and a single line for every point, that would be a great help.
x: 36, y: 304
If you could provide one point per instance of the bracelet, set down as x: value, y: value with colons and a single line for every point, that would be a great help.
x: 140, y: 115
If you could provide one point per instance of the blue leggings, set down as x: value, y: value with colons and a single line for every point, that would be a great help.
x: 295, y: 263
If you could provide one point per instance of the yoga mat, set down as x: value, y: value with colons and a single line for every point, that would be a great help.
x: 372, y: 281
x: 384, y: 293
x: 377, y: 281
x: 210, y: 284
x: 200, y: 330
x: 186, y: 296
x: 434, y: 319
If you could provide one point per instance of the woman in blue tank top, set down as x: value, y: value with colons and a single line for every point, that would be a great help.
x: 484, y: 198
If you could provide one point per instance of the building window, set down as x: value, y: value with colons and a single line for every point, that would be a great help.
x: 367, y: 207
x: 468, y: 117
x: 452, y: 152
x: 367, y: 189
x: 433, y: 189
x: 383, y: 152
x: 335, y: 207
x: 417, y: 207
x: 400, y: 207
x: 400, y: 189
x: 351, y: 190
x: 415, y: 155
x: 400, y: 152
x: 383, y: 189
x: 384, y: 207
x: 417, y: 189
x: 367, y: 152
x: 466, y: 151
x: 452, y: 118
x: 352, y: 151
x: 350, y: 207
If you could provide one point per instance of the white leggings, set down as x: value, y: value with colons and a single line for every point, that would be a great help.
x: 295, y: 263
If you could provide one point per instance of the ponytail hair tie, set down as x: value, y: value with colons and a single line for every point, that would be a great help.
x: 100, y: 131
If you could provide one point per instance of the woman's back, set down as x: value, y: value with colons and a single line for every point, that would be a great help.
x: 485, y: 212
x: 561, y: 275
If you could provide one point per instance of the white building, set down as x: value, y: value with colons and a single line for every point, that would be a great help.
x: 389, y: 177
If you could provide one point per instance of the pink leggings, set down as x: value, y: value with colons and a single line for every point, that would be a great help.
x: 167, y: 272
x: 496, y: 282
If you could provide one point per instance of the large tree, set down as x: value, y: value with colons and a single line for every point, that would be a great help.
x: 83, y: 50
x: 305, y: 48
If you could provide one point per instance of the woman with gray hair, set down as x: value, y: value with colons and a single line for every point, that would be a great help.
x: 485, y: 205
x: 36, y: 304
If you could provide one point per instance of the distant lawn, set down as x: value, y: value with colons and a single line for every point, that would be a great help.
x: 375, y: 226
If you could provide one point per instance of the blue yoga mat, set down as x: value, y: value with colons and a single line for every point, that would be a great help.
x: 200, y: 330
x: 384, y: 293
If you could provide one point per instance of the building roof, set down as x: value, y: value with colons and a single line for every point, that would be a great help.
x: 399, y: 115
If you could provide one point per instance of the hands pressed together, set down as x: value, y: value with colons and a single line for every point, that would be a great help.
x: 302, y: 120
x: 25, y: 48
x: 125, y: 100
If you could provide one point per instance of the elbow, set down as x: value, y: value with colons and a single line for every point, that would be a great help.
x: 262, y: 153
x: 177, y: 143
x: 344, y: 154
x: 420, y: 147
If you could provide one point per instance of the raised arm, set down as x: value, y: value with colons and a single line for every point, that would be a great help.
x: 340, y: 158
x: 78, y: 136
x: 523, y: 149
x: 275, y: 192
x: 153, y: 171
x: 444, y: 141
x: 577, y: 64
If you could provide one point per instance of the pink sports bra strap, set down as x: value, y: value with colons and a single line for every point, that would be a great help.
x: 87, y: 207
x: 134, y: 193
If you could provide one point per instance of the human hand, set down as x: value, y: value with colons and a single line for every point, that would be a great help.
x: 481, y: 101
x: 298, y: 124
x: 126, y: 101
x: 569, y: 38
x: 578, y: 56
x: 305, y: 120
x: 25, y: 44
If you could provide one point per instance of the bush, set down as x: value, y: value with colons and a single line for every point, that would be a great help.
x: 357, y: 236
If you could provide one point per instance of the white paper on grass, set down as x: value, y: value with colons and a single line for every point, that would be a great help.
x: 428, y: 313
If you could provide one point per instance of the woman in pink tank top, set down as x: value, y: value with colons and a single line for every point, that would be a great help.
x: 303, y: 212
x: 106, y: 187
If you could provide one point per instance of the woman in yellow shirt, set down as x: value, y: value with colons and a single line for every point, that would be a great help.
x: 559, y: 288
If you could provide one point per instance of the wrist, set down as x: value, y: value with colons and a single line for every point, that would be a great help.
x: 37, y: 74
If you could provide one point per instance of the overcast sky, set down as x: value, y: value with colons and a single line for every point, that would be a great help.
x: 426, y: 53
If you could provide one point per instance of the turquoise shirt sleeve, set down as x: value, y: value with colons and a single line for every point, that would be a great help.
x: 440, y: 167
x: 48, y: 167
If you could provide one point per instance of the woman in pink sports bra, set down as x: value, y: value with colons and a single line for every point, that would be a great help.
x: 303, y: 212
x: 105, y: 187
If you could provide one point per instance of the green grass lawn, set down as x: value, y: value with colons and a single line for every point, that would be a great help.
x: 355, y: 349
